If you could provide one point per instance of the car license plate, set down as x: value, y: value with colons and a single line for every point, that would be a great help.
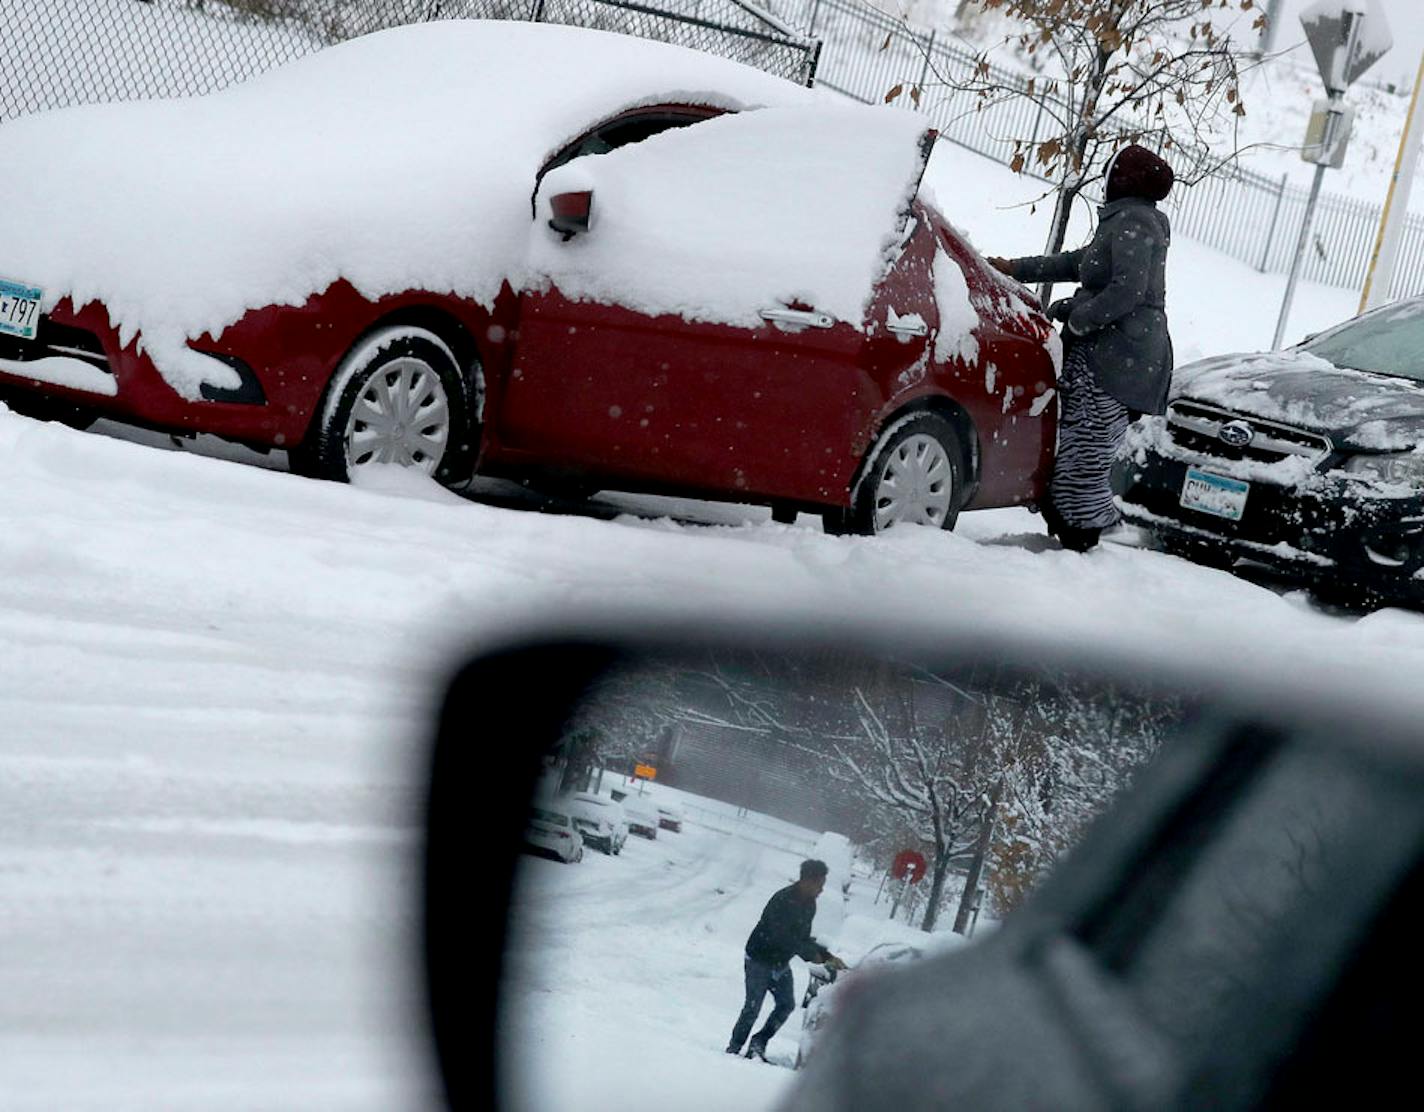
x: 19, y: 309
x: 1214, y: 494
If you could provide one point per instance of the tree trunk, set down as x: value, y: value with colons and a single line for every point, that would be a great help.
x: 976, y: 863
x: 938, y: 874
x: 1077, y: 163
x: 1058, y: 230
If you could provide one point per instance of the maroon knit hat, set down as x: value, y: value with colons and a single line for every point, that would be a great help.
x: 1136, y: 172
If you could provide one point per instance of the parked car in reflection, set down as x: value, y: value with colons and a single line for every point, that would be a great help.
x: 643, y: 818
x: 599, y: 820
x: 818, y: 1002
x: 1310, y: 460
x: 697, y: 302
x: 551, y: 831
x: 670, y: 817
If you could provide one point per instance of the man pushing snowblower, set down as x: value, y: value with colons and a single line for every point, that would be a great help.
x: 783, y: 930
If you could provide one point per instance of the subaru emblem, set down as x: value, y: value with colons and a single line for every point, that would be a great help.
x: 1236, y: 434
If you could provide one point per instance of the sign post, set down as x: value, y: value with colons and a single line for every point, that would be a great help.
x: 1336, y: 30
x: 908, y: 867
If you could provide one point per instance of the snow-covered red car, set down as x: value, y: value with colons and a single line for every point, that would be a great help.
x: 670, y: 817
x: 750, y: 305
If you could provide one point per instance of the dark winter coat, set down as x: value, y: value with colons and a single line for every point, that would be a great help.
x: 1120, y: 311
x: 784, y: 929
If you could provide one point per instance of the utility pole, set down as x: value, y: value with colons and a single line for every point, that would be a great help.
x: 1267, y: 42
x: 1379, y: 281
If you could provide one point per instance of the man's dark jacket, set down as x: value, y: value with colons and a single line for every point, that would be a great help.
x: 784, y: 929
x: 1119, y: 314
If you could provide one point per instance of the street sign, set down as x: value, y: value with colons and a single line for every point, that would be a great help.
x: 1347, y: 37
x: 908, y: 865
x: 645, y: 772
x: 1325, y: 143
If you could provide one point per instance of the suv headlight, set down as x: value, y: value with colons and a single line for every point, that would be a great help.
x: 1388, y: 467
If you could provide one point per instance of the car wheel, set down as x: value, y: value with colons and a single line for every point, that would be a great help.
x: 41, y: 408
x: 913, y: 476
x: 398, y: 397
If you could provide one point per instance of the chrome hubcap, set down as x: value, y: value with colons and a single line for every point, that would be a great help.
x: 916, y: 485
x: 402, y: 416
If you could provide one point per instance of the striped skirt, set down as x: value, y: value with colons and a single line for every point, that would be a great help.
x: 1091, y: 427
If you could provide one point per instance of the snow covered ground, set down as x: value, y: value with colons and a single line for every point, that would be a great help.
x: 215, y: 683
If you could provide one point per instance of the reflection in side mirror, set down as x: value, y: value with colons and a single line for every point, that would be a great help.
x: 685, y: 852
x: 572, y: 212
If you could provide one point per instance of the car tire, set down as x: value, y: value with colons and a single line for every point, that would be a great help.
x: 40, y: 408
x: 372, y: 410
x: 922, y: 456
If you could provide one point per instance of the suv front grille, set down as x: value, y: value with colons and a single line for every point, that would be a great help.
x: 1196, y: 427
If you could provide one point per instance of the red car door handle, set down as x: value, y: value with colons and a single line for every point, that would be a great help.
x: 909, y: 328
x: 800, y: 318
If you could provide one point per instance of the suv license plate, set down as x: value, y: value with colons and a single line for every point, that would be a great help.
x: 1214, y: 494
x: 19, y: 309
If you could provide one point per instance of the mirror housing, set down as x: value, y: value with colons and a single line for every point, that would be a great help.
x: 572, y: 213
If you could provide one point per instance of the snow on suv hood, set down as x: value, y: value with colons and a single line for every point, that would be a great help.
x: 1356, y: 409
x: 400, y: 160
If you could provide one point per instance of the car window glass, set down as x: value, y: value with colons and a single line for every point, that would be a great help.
x: 619, y: 133
x: 1287, y: 840
x: 1388, y: 343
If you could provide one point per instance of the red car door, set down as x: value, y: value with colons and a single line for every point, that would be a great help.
x: 770, y: 400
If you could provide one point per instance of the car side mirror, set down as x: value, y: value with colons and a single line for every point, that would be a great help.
x: 572, y: 213
x: 1275, y: 815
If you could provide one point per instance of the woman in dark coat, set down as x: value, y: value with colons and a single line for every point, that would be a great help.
x: 1117, y: 358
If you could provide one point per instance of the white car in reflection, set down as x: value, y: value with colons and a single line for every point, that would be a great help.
x: 551, y: 830
x: 819, y: 1002
x: 600, y: 820
x: 642, y: 815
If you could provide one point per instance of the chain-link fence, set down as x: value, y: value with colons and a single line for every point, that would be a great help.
x: 61, y: 52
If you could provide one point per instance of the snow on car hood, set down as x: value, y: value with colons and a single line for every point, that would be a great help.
x: 742, y: 213
x: 400, y: 160
x: 1357, y: 409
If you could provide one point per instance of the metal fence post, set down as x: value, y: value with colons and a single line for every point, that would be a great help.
x: 1275, y: 218
x: 1037, y: 119
x: 811, y: 30
x: 925, y: 72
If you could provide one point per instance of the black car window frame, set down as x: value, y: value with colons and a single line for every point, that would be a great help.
x: 632, y: 126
